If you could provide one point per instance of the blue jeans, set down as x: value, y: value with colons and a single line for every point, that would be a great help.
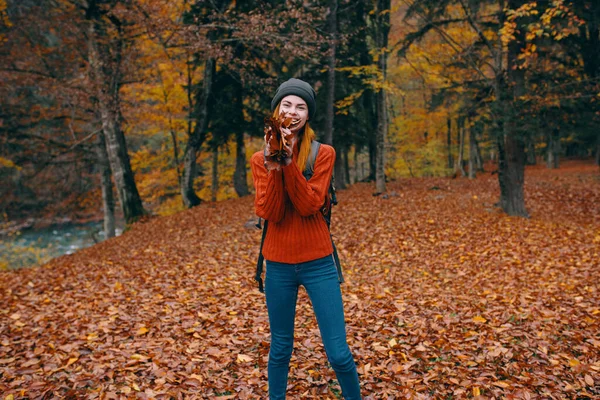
x: 320, y: 279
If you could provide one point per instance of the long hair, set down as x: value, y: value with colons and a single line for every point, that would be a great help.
x: 305, y: 138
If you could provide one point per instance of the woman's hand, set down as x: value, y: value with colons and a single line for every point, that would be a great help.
x: 289, y: 141
x: 270, y: 165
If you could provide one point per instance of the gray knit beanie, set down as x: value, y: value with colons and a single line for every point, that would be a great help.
x: 298, y: 88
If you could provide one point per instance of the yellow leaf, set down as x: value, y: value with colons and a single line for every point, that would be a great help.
x: 476, y: 391
x: 574, y: 362
x: 72, y: 360
x: 392, y: 342
x: 118, y: 286
x: 479, y: 319
x: 135, y: 387
x: 142, y: 331
x: 9, y: 397
x: 241, y: 358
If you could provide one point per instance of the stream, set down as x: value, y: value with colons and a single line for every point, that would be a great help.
x: 35, y: 246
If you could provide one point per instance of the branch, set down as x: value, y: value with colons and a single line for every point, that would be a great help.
x: 479, y: 32
x: 435, y: 25
x: 27, y: 71
x: 415, y: 36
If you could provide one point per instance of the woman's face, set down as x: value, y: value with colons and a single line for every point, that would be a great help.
x: 296, y: 108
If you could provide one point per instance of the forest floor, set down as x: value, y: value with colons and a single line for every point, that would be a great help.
x: 445, y: 297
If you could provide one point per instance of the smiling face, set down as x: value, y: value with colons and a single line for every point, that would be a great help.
x: 296, y: 108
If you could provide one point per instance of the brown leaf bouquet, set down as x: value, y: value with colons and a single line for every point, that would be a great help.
x: 274, y: 138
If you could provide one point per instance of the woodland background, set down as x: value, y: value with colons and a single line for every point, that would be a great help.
x: 468, y: 226
x: 140, y: 107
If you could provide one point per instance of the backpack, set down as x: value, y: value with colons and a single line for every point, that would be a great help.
x: 330, y: 201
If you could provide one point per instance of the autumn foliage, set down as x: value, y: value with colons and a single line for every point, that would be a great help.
x: 445, y: 297
x: 274, y: 137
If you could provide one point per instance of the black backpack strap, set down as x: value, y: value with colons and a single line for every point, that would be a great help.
x: 261, y: 259
x: 338, y: 265
x: 308, y: 173
x: 309, y: 169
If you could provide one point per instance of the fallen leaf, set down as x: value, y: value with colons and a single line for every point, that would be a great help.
x: 142, y: 331
x: 241, y: 358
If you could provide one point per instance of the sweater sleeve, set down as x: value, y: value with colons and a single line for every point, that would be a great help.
x: 309, y: 196
x: 269, y: 202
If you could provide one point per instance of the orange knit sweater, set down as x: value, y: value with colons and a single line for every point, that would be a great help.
x: 297, y: 231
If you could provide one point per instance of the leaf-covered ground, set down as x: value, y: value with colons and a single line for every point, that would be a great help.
x: 446, y: 297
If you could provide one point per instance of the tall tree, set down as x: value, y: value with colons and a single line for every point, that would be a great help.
x: 197, y: 135
x: 105, y: 52
x: 383, y: 29
x: 494, y: 62
x: 108, y: 201
x: 332, y: 38
x: 472, y: 151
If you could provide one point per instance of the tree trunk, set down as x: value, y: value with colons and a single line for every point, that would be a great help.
x: 175, y: 154
x: 106, y: 77
x: 380, y: 186
x: 556, y: 149
x: 215, y: 174
x: 108, y: 200
x: 370, y: 107
x: 531, y: 159
x: 461, y: 146
x: 372, y: 158
x: 598, y: 151
x: 358, y: 169
x: 449, y: 143
x: 329, y: 109
x: 383, y: 28
x: 346, y: 153
x: 478, y: 155
x: 552, y: 150
x: 197, y: 137
x: 550, y: 153
x: 171, y: 127
x: 341, y: 169
x: 472, y: 152
x: 511, y: 147
x: 240, y: 182
x: 511, y: 174
x: 340, y: 179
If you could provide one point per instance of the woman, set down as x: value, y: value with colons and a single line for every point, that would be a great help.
x: 297, y: 246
